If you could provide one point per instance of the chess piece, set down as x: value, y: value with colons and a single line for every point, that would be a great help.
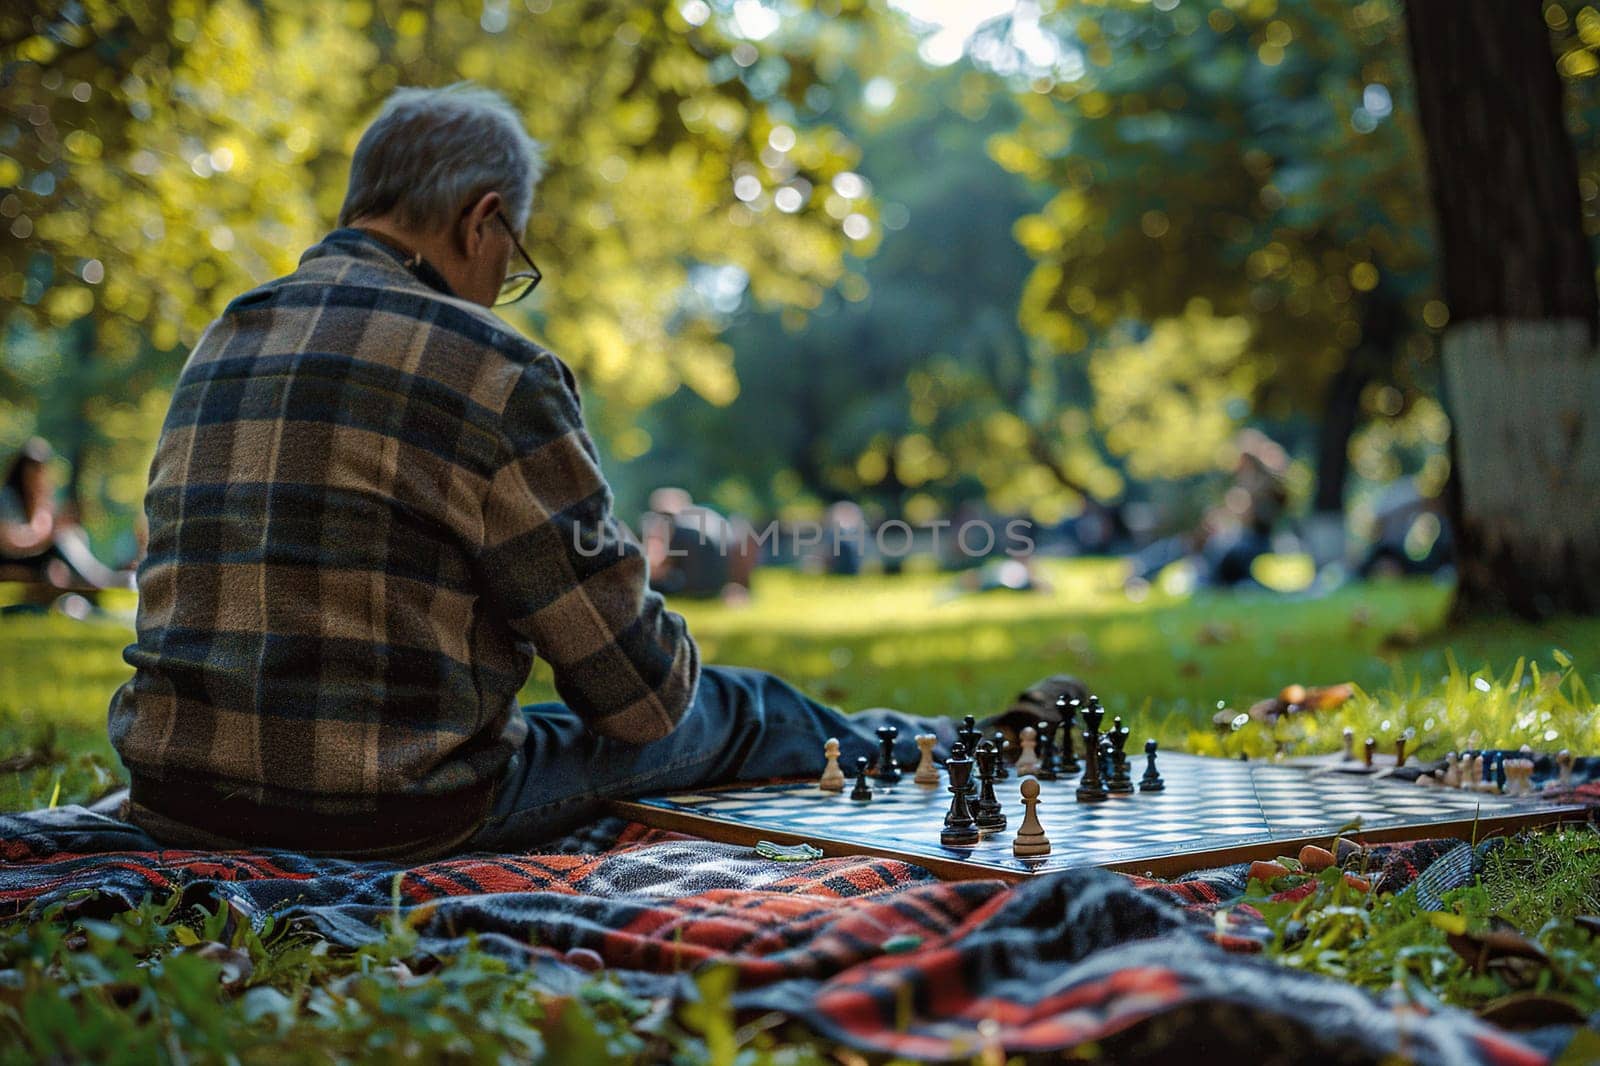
x: 888, y: 765
x: 1451, y: 776
x: 960, y: 828
x: 1520, y: 773
x: 990, y: 816
x: 1500, y: 772
x: 1564, y: 768
x: 1368, y: 750
x: 1349, y: 744
x: 1069, y: 757
x: 1400, y: 750
x: 927, y: 773
x: 832, y: 779
x: 1028, y: 761
x: 1091, y: 789
x: 1121, y: 780
x: 1151, y: 781
x: 1047, y: 753
x: 862, y: 791
x: 1002, y: 748
x: 1030, y: 839
x: 969, y: 734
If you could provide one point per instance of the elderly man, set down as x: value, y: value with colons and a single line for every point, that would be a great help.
x: 371, y: 505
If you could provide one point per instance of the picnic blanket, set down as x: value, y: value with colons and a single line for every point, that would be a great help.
x: 873, y: 953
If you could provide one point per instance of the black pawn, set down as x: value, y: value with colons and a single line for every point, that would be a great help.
x: 990, y: 815
x: 1091, y: 789
x: 960, y: 827
x: 888, y: 767
x: 1500, y: 771
x: 1046, y: 753
x: 1001, y: 746
x: 862, y: 791
x: 1151, y: 781
x: 1069, y: 758
x: 1121, y: 781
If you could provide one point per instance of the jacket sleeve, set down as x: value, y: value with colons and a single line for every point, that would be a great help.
x: 570, y: 580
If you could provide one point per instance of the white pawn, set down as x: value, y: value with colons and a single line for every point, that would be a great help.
x: 1452, y: 770
x: 1030, y: 839
x: 1564, y: 768
x: 927, y: 773
x: 1028, y: 761
x: 832, y: 777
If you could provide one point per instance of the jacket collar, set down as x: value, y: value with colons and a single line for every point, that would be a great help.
x: 348, y: 240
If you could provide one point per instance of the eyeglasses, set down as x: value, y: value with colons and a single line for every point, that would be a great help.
x: 517, y: 285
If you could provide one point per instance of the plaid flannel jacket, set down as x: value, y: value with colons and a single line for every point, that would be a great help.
x: 371, y: 504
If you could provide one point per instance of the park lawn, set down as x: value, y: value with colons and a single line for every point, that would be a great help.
x: 903, y: 641
x: 911, y: 641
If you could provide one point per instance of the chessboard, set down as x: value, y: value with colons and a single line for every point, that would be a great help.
x: 1212, y: 812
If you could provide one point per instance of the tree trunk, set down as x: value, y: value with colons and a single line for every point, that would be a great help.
x: 1522, y: 381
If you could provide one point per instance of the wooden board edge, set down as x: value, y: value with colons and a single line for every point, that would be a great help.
x: 733, y: 833
x: 1168, y: 866
x: 1466, y: 829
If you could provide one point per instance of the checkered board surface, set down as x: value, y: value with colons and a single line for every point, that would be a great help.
x: 1214, y: 810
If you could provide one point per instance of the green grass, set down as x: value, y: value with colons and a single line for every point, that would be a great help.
x: 909, y: 642
x: 1531, y: 891
x: 146, y: 985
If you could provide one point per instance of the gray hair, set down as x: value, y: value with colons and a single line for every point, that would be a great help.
x: 431, y: 152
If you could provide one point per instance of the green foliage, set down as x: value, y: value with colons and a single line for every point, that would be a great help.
x: 1545, y: 708
x: 159, y: 157
x: 1256, y: 161
x: 1536, y: 883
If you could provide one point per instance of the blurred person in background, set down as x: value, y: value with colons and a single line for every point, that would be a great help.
x: 1231, y: 536
x: 845, y: 538
x: 695, y: 552
x: 1410, y: 534
x: 40, y: 543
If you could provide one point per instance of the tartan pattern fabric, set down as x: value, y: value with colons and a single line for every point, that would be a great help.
x: 371, y: 504
x: 1132, y: 969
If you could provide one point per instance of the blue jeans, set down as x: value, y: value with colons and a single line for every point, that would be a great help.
x: 744, y: 725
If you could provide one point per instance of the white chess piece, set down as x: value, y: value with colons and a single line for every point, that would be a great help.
x: 832, y: 779
x: 1452, y: 771
x: 1030, y: 839
x: 927, y: 773
x: 1028, y: 761
x: 1564, y: 768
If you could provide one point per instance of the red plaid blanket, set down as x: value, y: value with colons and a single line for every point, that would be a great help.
x: 876, y: 954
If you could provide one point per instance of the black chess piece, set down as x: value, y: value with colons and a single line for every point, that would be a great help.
x: 969, y: 735
x: 1500, y: 771
x: 1001, y: 746
x: 990, y: 816
x: 1069, y: 757
x: 1121, y: 781
x: 1151, y: 781
x: 1046, y: 752
x: 1091, y: 789
x: 960, y: 827
x: 862, y: 791
x: 888, y: 766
